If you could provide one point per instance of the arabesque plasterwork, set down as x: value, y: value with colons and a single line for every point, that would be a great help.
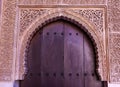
x: 7, y: 39
x: 95, y: 16
x: 114, y: 40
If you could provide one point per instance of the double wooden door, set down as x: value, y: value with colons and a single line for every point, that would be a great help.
x: 61, y: 55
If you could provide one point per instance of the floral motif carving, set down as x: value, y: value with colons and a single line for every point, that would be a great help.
x: 27, y: 16
x: 95, y: 16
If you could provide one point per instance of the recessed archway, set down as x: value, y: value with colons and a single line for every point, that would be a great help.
x: 52, y: 48
x: 80, y: 22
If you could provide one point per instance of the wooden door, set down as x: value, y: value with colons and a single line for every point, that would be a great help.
x: 61, y: 55
x: 73, y: 56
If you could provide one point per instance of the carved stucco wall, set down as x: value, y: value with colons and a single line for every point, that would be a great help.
x: 24, y: 23
x: 114, y: 39
x: 7, y: 39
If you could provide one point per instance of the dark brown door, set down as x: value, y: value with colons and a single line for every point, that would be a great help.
x: 61, y: 55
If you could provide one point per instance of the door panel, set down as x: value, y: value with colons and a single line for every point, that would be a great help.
x: 32, y: 79
x: 61, y: 55
x: 73, y: 59
x: 52, y: 55
x: 89, y: 65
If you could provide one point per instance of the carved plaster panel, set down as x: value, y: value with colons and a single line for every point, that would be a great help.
x: 31, y: 18
x: 35, y: 2
x: 114, y: 39
x: 114, y: 15
x: 94, y: 16
x: 7, y: 39
x: 27, y: 16
x: 115, y: 57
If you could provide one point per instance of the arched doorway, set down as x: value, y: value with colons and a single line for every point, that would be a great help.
x: 61, y: 55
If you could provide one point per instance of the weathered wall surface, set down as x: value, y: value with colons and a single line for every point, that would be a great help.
x: 18, y: 16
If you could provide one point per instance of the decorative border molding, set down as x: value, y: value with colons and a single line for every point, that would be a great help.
x: 57, y: 2
x: 39, y: 16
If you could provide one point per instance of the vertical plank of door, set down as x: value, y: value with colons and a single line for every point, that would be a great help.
x: 33, y: 63
x: 52, y: 55
x: 89, y: 64
x: 73, y: 56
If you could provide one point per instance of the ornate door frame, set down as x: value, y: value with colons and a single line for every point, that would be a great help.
x: 49, y: 15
